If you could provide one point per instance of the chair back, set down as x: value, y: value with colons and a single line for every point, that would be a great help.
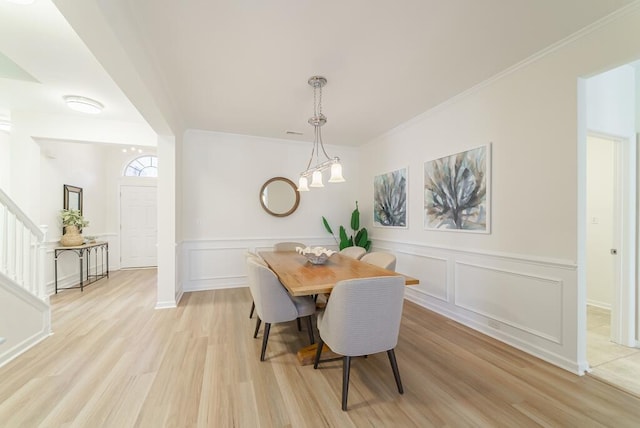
x: 381, y: 259
x: 272, y: 301
x: 287, y: 246
x: 251, y: 255
x: 363, y: 316
x: 353, y: 252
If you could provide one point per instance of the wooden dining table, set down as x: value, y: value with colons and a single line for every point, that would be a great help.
x: 302, y: 278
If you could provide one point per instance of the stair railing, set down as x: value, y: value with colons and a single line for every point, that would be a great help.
x: 22, y: 251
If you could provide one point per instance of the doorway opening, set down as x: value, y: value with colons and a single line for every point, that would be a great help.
x: 610, y: 356
x: 608, y: 221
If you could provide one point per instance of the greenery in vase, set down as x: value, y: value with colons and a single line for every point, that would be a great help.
x: 359, y: 237
x: 73, y: 218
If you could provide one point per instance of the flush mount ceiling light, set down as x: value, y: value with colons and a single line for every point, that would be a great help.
x: 321, y: 162
x: 83, y: 104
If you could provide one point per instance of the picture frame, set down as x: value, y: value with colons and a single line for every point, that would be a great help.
x: 72, y: 198
x: 390, y: 199
x: 457, y: 192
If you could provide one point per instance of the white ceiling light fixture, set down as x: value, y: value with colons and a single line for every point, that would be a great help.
x: 5, y: 125
x: 321, y: 163
x: 83, y: 104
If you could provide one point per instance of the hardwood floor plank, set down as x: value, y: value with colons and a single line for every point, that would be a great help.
x: 115, y: 361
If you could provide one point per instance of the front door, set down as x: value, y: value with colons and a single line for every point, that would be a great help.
x: 138, y: 226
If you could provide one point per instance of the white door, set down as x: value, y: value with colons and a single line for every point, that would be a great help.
x: 138, y: 226
x: 610, y: 238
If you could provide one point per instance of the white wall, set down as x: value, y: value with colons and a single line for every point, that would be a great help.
x: 611, y: 102
x: 24, y: 320
x: 222, y: 215
x: 518, y: 283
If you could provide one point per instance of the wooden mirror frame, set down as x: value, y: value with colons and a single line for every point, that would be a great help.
x: 70, y: 190
x: 295, y: 191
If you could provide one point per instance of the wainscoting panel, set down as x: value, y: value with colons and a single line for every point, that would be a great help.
x: 431, y: 270
x: 215, y: 264
x: 528, y: 302
x: 217, y: 267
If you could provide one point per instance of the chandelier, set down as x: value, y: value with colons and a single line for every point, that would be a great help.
x: 322, y: 159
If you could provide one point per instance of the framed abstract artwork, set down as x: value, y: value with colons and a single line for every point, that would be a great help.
x: 457, y: 191
x: 390, y: 199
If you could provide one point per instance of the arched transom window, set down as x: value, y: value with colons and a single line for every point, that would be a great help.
x: 143, y: 166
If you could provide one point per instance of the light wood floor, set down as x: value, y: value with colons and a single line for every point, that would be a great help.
x: 614, y: 363
x: 114, y: 361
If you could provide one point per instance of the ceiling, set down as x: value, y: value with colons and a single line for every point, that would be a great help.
x: 242, y: 66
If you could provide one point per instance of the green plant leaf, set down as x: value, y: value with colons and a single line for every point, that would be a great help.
x: 344, y: 239
x: 362, y: 237
x: 355, y: 218
x: 326, y: 225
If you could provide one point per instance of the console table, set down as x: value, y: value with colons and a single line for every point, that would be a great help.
x: 88, y: 259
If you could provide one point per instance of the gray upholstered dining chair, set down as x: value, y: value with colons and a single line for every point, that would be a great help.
x: 252, y: 255
x: 381, y: 259
x: 274, y: 304
x: 353, y: 252
x: 287, y: 246
x: 362, y: 317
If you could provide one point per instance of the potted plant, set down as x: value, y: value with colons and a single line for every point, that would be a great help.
x: 73, y: 222
x: 359, y: 237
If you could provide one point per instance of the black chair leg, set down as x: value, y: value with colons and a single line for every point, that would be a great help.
x: 267, y: 327
x: 318, y: 352
x: 346, y: 368
x: 310, y: 328
x: 394, y: 367
x: 253, y: 307
x: 255, y: 333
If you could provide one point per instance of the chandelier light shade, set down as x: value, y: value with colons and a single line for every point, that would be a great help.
x: 318, y: 154
x: 83, y: 104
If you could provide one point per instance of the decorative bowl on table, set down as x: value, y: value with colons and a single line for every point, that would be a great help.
x: 315, y: 255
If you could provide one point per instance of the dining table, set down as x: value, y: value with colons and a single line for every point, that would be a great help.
x: 302, y: 278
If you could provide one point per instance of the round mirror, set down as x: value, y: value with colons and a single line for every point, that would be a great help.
x: 279, y: 197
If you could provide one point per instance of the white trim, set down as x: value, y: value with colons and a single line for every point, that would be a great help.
x: 25, y: 345
x: 544, y: 261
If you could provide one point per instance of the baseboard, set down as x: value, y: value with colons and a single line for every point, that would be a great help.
x: 24, y: 346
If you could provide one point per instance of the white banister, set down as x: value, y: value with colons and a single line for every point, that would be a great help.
x: 22, y: 252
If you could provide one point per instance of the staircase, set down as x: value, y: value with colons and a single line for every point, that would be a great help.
x: 25, y: 313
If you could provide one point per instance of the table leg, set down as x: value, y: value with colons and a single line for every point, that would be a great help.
x: 55, y: 264
x: 81, y: 272
x: 307, y: 354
